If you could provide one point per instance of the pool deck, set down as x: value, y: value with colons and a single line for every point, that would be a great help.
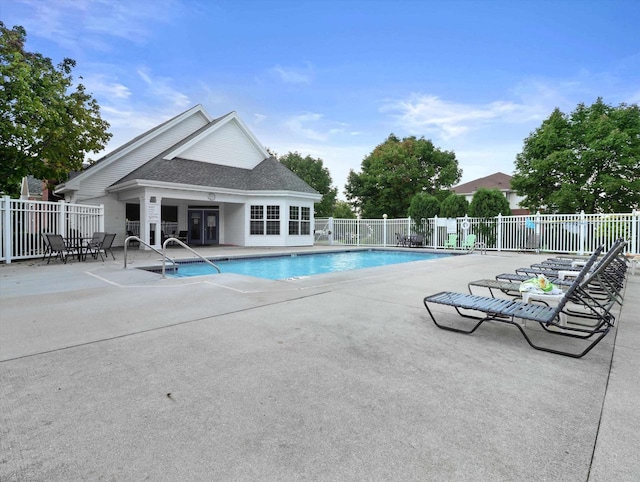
x: 117, y: 374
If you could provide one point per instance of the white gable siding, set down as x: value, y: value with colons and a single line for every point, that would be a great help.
x: 228, y: 146
x: 95, y: 185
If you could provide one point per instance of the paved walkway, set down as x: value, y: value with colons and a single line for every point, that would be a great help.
x: 114, y: 374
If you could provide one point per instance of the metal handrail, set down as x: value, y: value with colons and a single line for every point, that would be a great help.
x: 161, y: 253
x: 164, y: 245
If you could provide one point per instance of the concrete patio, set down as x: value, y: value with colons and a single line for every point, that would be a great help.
x: 114, y: 374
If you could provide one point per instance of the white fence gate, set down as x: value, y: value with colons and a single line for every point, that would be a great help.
x: 22, y: 222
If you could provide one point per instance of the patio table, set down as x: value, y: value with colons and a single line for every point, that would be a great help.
x: 78, y: 245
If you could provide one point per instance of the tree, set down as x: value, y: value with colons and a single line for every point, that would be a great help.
x: 395, y: 171
x: 423, y: 206
x: 454, y: 206
x: 488, y: 203
x: 47, y: 126
x: 586, y: 161
x: 342, y: 210
x: 317, y: 176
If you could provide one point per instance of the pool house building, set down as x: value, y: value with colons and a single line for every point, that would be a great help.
x: 208, y: 178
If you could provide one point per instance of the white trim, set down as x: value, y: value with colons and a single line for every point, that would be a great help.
x: 205, y: 191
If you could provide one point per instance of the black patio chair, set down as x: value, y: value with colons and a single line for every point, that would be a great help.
x: 416, y: 240
x: 401, y: 240
x: 510, y: 310
x: 47, y: 245
x: 58, y: 248
x: 94, y: 243
x: 105, y: 247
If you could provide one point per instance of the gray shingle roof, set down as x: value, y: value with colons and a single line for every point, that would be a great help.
x: 498, y: 180
x: 268, y: 175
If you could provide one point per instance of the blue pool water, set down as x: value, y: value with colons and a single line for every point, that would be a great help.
x: 299, y: 265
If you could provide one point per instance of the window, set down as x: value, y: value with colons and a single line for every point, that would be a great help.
x: 299, y: 220
x: 294, y: 223
x: 260, y: 225
x: 257, y: 220
x: 273, y: 220
x: 305, y: 223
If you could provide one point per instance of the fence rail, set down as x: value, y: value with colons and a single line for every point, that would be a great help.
x: 557, y: 233
x: 23, y: 221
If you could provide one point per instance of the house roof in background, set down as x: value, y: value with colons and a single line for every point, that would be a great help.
x: 498, y: 180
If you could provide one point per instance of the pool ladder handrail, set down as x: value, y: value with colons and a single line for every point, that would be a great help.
x: 161, y: 253
x: 184, y: 245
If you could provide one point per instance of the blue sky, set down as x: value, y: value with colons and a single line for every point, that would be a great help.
x: 333, y: 79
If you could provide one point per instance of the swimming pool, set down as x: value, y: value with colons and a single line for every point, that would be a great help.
x: 302, y: 265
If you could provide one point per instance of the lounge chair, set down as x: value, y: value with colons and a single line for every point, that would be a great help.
x: 563, y: 270
x: 451, y: 242
x: 509, y: 311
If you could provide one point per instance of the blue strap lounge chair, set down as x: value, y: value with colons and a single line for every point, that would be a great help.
x: 511, y: 310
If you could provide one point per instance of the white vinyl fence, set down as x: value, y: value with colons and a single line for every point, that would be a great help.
x: 22, y: 222
x: 557, y: 233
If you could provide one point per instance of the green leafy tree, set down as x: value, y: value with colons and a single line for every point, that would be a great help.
x: 313, y: 172
x: 588, y: 160
x: 342, y: 210
x: 395, y: 171
x: 488, y: 203
x: 47, y: 125
x: 454, y: 206
x: 423, y: 206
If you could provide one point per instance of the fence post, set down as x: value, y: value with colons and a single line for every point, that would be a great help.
x: 62, y: 218
x: 582, y: 232
x: 330, y: 231
x: 634, y: 232
x: 358, y: 231
x: 384, y: 230
x: 499, y: 233
x: 434, y: 233
x: 7, y: 229
x: 538, y: 230
x: 101, y: 218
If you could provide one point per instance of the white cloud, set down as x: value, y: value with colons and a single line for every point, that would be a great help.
x: 298, y: 125
x: 314, y: 126
x: 78, y: 24
x: 292, y: 75
x: 160, y: 87
x: 98, y: 85
x: 419, y: 113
